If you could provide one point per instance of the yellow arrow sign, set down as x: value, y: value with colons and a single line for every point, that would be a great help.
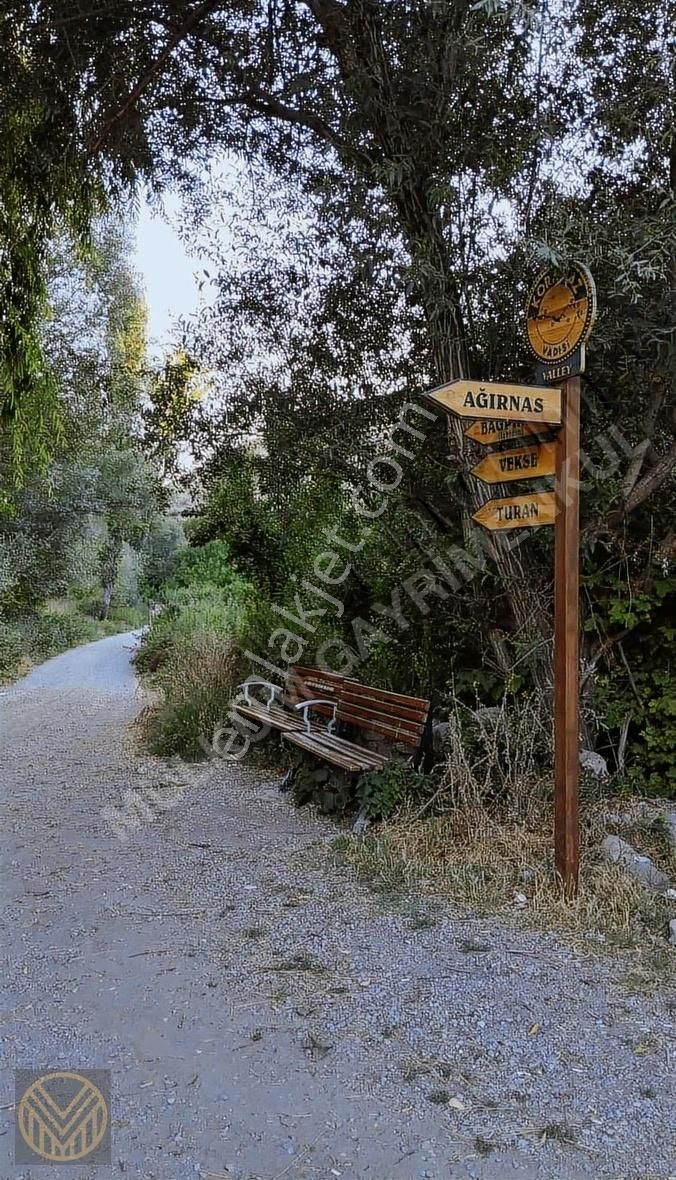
x: 492, y: 430
x: 518, y: 512
x: 521, y: 463
x: 488, y: 399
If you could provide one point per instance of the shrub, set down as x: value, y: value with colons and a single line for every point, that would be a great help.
x: 381, y: 792
x: 198, y: 679
x: 210, y: 563
x: 156, y: 645
x: 11, y: 650
x: 192, y: 648
x: 500, y: 755
x: 54, y: 632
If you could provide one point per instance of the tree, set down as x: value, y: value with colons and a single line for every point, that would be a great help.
x: 98, y: 492
x: 126, y: 498
x: 433, y: 152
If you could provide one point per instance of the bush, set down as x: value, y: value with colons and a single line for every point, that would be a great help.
x: 498, y: 756
x: 155, y: 646
x: 198, y: 680
x: 192, y: 647
x: 11, y: 650
x: 55, y: 632
x: 210, y: 564
x: 382, y: 792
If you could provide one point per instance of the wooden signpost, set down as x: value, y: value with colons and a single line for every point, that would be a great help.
x: 517, y: 512
x: 492, y: 430
x: 490, y: 399
x: 538, y: 459
x: 560, y: 315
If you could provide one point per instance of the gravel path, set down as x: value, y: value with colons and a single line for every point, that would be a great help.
x: 266, y: 1016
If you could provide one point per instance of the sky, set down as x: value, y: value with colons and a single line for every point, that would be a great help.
x: 167, y: 273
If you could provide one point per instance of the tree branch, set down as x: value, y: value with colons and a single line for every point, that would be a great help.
x: 651, y: 481
x: 197, y: 14
x: 642, y: 450
x: 269, y: 104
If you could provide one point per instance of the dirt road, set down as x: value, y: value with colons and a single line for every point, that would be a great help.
x: 263, y: 1014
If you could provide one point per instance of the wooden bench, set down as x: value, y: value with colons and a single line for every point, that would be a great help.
x: 371, y: 710
x: 306, y: 690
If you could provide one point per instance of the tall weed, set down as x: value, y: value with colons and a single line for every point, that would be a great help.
x: 197, y: 682
x: 192, y: 648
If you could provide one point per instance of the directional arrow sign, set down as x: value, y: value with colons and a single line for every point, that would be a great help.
x: 492, y: 430
x: 521, y: 463
x: 517, y: 403
x: 518, y: 512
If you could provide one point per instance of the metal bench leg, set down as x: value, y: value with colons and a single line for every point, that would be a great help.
x: 289, y: 778
x: 362, y: 818
x: 361, y: 822
x: 423, y: 758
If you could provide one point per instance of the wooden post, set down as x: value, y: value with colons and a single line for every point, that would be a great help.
x: 566, y: 639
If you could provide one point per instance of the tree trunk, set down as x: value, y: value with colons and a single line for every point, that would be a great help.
x: 110, y: 564
x: 526, y: 589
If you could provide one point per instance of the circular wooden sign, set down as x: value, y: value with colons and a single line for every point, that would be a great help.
x: 560, y: 313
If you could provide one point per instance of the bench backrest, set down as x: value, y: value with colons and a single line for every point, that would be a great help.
x: 309, y: 684
x: 399, y: 718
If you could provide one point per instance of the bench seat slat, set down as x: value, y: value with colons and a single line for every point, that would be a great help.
x: 353, y: 760
x: 308, y: 742
x: 275, y: 717
x: 350, y: 748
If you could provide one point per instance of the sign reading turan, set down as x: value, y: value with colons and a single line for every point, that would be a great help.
x: 518, y: 512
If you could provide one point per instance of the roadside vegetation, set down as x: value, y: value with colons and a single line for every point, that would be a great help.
x: 55, y: 627
x: 192, y: 650
x: 84, y: 536
x: 369, y: 187
x: 360, y: 269
x: 497, y: 860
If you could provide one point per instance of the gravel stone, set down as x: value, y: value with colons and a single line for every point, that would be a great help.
x: 113, y: 945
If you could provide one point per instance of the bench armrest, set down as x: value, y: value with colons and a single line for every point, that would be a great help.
x: 274, y: 691
x: 305, y: 707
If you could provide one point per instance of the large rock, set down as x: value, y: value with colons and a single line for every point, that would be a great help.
x: 442, y: 734
x: 594, y: 763
x: 670, y: 826
x: 672, y: 932
x: 617, y: 851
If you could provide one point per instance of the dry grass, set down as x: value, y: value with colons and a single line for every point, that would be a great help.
x: 480, y: 860
x: 195, y: 686
x: 492, y: 838
x: 495, y: 754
